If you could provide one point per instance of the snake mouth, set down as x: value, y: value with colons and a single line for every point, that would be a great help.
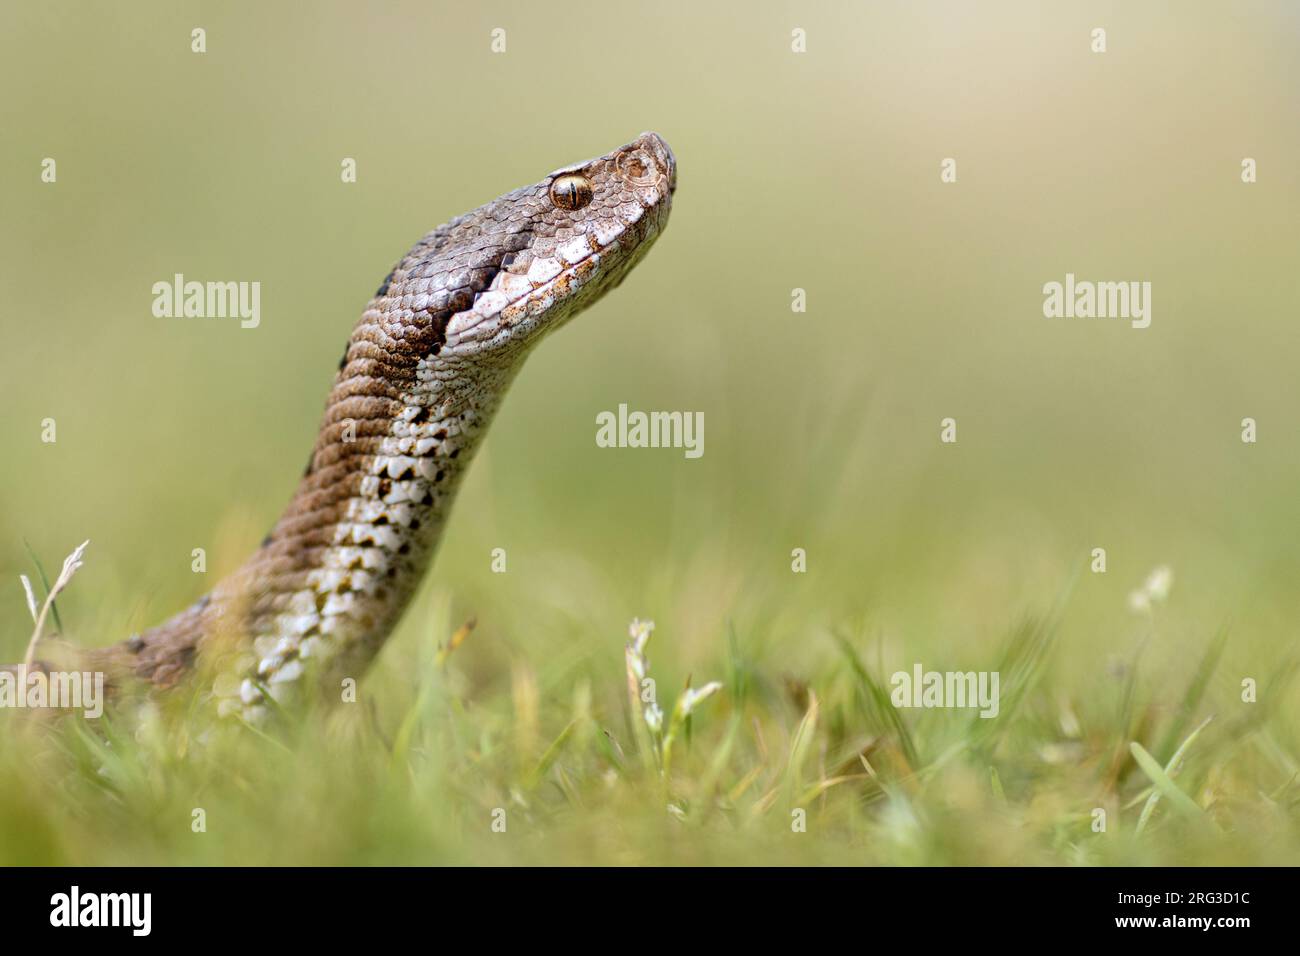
x: 512, y: 299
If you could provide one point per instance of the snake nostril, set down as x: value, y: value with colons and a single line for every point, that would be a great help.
x: 660, y: 158
x: 638, y: 167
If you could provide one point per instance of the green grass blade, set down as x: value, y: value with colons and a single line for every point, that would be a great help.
x: 1195, y: 691
x: 45, y: 583
x: 1164, y: 785
x: 1021, y: 667
x: 876, y: 703
x: 995, y: 783
x: 800, y: 746
x: 552, y: 752
x: 1171, y: 768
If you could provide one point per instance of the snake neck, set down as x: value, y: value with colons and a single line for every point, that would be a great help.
x: 333, y: 576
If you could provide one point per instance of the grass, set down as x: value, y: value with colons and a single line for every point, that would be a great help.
x: 578, y: 760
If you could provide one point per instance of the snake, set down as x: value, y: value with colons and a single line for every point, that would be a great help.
x: 423, y: 373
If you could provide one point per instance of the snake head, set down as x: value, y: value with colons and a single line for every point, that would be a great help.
x: 491, y: 283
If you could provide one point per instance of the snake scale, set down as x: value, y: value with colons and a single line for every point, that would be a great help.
x: 425, y: 369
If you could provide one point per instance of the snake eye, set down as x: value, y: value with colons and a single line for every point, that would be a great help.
x: 571, y: 191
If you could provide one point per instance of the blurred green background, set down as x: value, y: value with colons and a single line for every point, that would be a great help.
x: 818, y: 171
